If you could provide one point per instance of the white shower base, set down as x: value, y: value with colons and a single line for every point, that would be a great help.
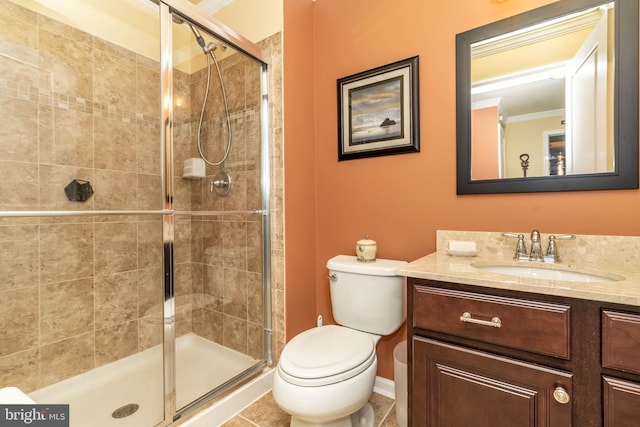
x: 201, y: 365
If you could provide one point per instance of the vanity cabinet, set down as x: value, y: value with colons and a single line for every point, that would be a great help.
x: 464, y: 387
x: 621, y: 351
x: 621, y: 403
x: 491, y: 357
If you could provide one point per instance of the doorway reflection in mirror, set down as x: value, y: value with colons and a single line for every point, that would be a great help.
x: 527, y: 84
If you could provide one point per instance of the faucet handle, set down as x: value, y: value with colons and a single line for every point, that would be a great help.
x: 552, y: 250
x: 521, y: 249
x: 565, y: 237
x: 514, y: 235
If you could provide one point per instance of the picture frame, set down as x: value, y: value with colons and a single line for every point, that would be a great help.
x: 378, y: 111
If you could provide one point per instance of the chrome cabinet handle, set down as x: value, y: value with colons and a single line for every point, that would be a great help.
x: 561, y: 395
x: 495, y: 322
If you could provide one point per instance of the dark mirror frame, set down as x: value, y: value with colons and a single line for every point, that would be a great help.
x: 625, y: 175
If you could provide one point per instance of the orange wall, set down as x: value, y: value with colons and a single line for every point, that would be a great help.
x: 299, y: 175
x: 401, y: 200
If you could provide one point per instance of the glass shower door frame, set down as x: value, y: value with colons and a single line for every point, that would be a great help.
x: 193, y: 14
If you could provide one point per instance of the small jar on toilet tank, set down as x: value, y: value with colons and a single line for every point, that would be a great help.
x: 366, y: 249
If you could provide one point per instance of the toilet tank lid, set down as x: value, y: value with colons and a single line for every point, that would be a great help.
x: 350, y: 264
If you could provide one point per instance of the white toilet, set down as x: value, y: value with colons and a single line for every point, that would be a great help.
x: 325, y: 375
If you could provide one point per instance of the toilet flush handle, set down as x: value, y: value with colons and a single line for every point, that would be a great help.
x: 333, y: 277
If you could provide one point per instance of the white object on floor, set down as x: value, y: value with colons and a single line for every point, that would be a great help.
x: 14, y: 396
x: 400, y: 380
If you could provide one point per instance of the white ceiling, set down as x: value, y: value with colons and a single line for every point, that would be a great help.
x: 536, y: 97
x: 211, y: 6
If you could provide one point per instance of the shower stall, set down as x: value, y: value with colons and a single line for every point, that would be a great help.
x: 135, y: 277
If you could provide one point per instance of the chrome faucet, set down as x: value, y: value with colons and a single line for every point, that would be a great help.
x: 536, y: 254
x: 536, y: 247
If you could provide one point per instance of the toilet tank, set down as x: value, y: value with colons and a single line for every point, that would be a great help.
x: 367, y: 296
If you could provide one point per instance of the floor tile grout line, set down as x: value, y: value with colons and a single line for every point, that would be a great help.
x: 249, y: 421
x: 387, y: 414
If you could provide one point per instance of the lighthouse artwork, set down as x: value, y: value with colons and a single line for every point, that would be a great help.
x: 378, y: 111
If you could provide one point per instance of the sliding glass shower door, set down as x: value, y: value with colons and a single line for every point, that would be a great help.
x: 220, y: 216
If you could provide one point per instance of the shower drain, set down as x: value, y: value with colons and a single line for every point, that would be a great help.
x: 125, y: 411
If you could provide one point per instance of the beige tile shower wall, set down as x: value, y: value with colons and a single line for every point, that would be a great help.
x: 76, y: 292
x: 79, y: 292
x: 273, y: 48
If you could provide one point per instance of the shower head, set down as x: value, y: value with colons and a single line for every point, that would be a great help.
x: 206, y: 48
x: 214, y: 45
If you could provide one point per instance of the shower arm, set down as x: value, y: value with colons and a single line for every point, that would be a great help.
x: 198, y: 37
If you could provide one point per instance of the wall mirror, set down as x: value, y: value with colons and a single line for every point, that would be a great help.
x: 548, y: 100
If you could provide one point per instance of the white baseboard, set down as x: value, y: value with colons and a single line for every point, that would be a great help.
x: 385, y: 387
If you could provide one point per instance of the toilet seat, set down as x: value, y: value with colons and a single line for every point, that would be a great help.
x: 326, y: 355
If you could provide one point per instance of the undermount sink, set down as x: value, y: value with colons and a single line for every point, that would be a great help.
x: 534, y: 272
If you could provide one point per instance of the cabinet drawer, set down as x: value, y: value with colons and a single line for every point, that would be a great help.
x: 621, y: 341
x: 534, y: 326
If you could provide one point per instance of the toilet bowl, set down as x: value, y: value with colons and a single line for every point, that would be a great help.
x: 325, y: 375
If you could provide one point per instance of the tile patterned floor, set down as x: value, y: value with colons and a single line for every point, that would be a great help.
x: 266, y: 413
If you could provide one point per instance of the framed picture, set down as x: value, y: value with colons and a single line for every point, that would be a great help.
x: 378, y: 111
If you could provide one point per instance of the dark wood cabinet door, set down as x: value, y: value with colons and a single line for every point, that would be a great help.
x: 457, y: 387
x: 620, y: 341
x: 621, y: 403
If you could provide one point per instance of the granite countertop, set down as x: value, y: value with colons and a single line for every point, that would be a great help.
x: 622, y: 266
